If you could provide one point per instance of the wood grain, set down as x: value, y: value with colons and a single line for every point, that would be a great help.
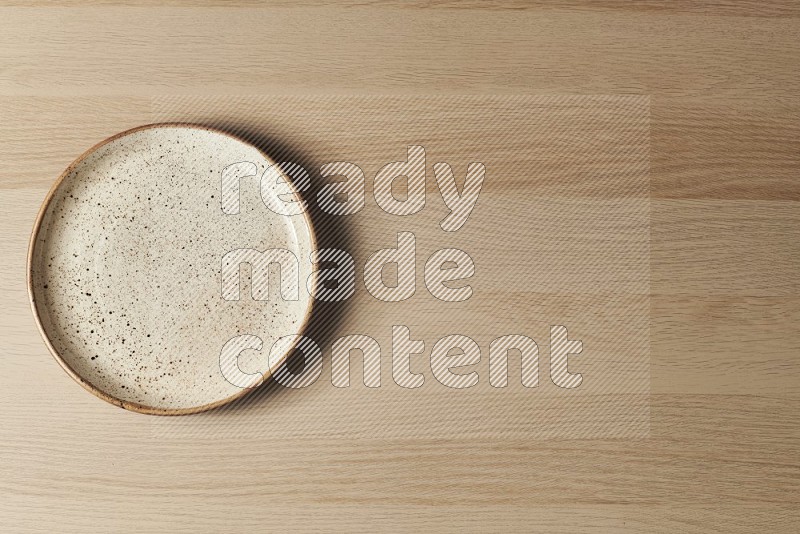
x: 723, y: 448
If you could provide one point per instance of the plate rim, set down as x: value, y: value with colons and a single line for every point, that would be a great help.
x: 87, y: 385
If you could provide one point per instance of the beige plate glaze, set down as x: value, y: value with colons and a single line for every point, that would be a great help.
x: 124, y: 269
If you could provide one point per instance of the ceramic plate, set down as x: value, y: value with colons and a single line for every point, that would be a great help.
x: 125, y: 269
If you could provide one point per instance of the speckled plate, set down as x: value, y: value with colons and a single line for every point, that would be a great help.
x: 125, y: 267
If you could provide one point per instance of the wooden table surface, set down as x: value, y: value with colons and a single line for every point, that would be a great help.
x: 718, y: 289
